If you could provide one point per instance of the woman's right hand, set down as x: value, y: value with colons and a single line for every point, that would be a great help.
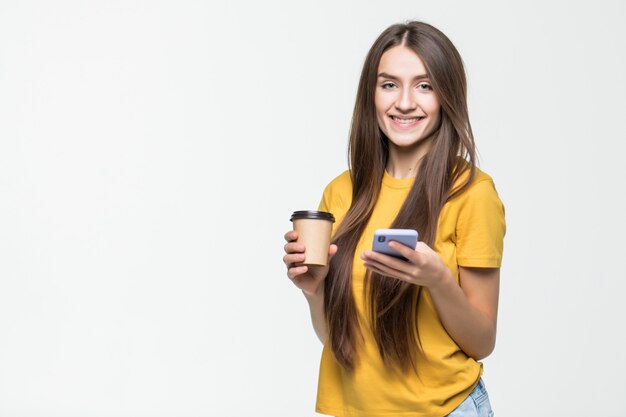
x: 309, y: 279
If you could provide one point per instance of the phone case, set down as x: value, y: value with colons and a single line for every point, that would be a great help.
x: 382, y: 237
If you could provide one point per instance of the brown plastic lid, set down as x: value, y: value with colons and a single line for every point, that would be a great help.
x: 312, y: 214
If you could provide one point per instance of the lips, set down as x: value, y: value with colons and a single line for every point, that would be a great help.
x: 406, y: 122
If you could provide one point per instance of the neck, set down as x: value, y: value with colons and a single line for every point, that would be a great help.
x: 403, y: 162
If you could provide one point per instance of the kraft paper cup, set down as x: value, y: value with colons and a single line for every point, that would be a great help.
x: 314, y: 229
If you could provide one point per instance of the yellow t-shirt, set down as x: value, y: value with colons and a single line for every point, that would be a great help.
x: 470, y: 233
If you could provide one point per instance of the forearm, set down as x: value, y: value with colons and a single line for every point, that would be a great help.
x: 473, y: 330
x: 316, y: 305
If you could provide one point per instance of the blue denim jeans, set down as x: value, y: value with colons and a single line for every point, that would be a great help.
x: 475, y: 405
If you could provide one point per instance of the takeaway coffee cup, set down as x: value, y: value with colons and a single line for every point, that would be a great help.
x: 314, y: 230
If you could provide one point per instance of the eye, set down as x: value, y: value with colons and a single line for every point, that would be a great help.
x: 387, y: 86
x: 424, y: 86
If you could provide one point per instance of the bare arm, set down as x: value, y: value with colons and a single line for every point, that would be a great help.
x: 310, y: 279
x: 316, y: 305
x: 469, y: 312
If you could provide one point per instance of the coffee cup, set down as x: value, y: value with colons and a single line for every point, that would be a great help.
x: 314, y: 231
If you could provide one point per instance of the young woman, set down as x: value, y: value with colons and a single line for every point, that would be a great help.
x: 404, y: 337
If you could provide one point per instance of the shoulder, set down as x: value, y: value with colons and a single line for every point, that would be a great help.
x: 481, y: 184
x: 481, y: 176
x: 479, y: 197
x: 337, y: 195
x: 341, y: 180
x: 339, y: 187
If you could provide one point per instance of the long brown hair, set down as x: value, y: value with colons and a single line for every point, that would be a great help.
x: 393, y: 303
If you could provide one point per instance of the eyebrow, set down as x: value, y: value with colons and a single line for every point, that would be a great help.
x: 393, y: 77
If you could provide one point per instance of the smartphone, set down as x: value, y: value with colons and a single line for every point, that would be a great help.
x: 382, y: 237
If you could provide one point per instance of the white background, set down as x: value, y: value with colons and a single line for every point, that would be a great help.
x: 152, y: 152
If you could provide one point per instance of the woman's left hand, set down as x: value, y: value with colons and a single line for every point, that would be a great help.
x: 422, y: 266
x: 468, y: 312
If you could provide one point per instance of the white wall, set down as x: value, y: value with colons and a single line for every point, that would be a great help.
x: 152, y: 152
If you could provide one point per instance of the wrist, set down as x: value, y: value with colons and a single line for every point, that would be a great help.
x: 442, y: 281
x: 316, y: 294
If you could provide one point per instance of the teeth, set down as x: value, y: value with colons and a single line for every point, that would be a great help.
x: 406, y: 121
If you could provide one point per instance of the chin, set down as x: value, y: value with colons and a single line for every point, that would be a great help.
x: 406, y: 142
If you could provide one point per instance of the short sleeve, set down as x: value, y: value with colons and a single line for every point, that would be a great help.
x: 336, y: 197
x: 328, y: 204
x: 480, y: 227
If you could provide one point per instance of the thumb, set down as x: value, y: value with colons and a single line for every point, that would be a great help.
x: 332, y: 251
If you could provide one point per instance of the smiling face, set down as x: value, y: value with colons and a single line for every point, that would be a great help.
x: 407, y: 109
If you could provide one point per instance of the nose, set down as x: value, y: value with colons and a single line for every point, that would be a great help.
x: 406, y: 102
